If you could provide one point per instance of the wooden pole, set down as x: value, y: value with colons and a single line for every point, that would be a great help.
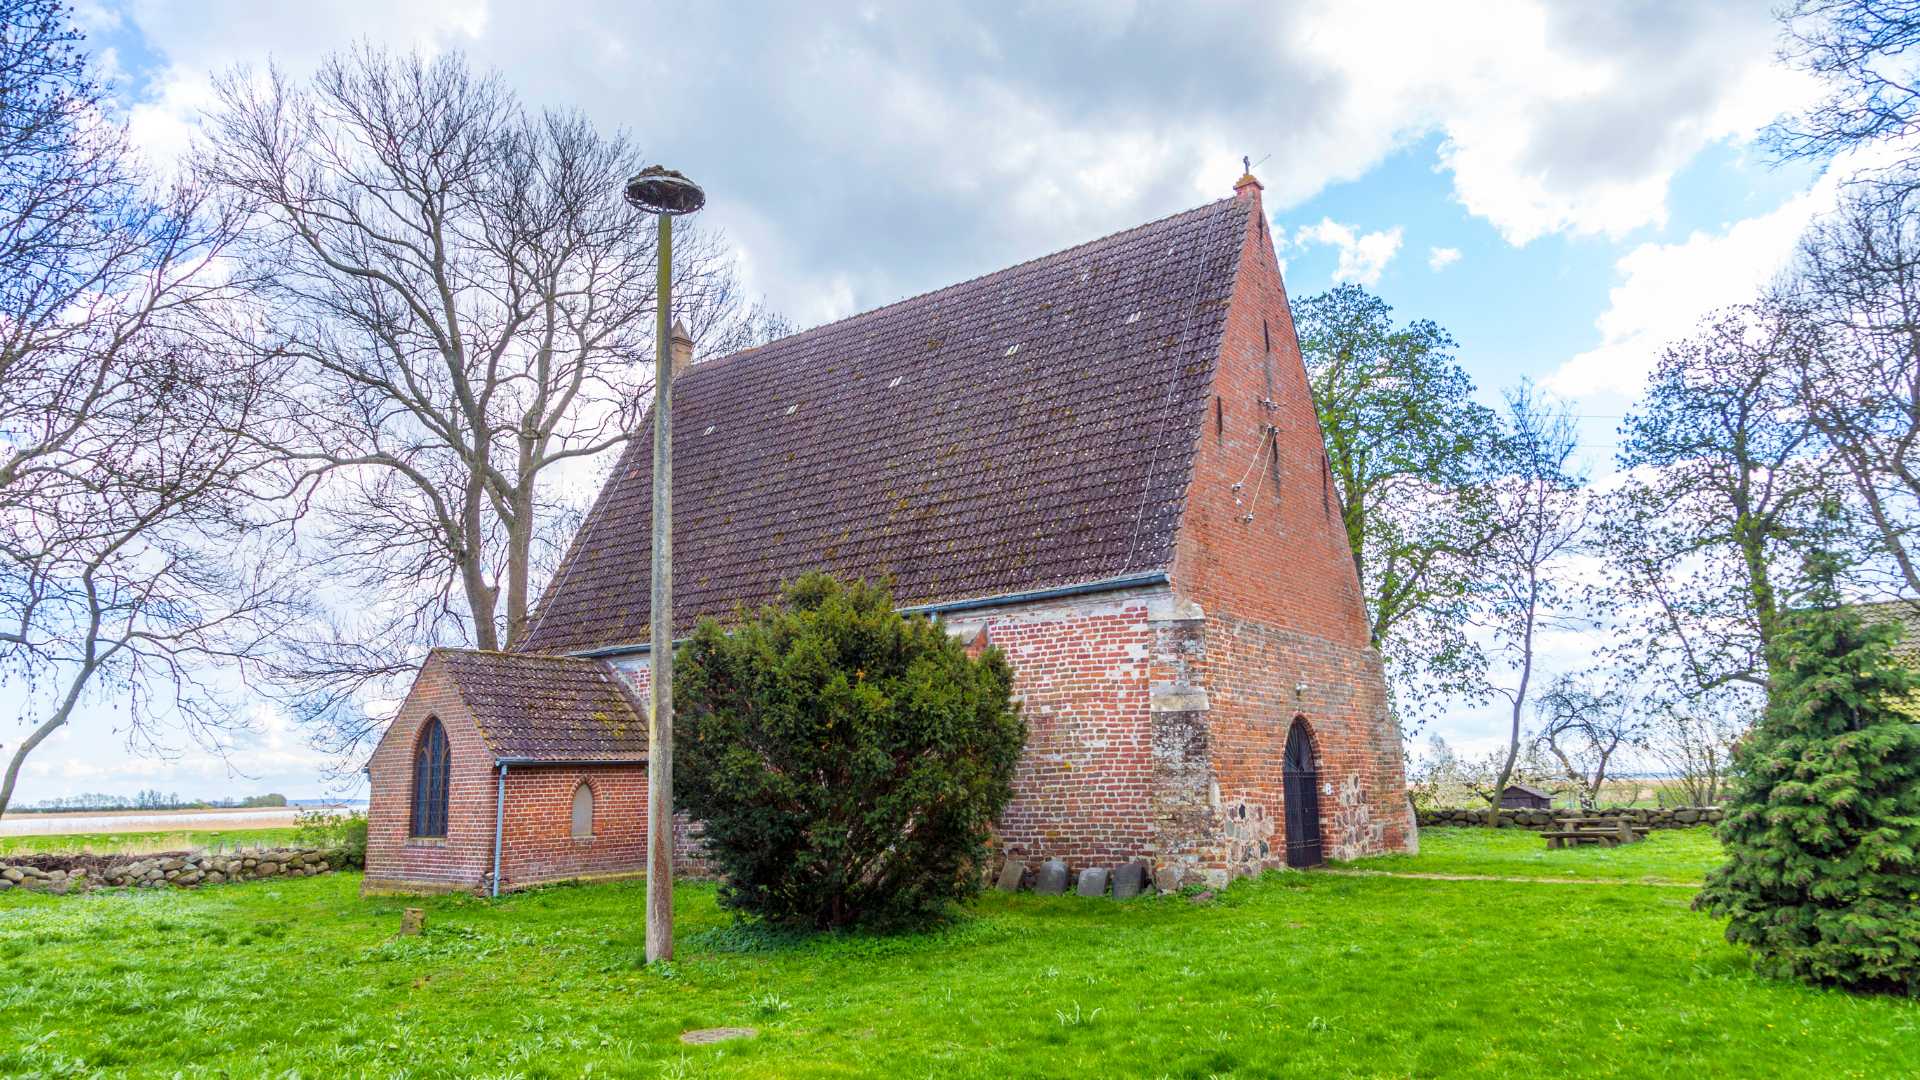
x: 660, y: 654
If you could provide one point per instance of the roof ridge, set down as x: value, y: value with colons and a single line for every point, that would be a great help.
x: 976, y: 279
x: 506, y: 654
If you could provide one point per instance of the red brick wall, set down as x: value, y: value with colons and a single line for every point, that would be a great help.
x: 464, y: 858
x: 539, y: 843
x: 1252, y: 671
x: 1083, y: 789
x: 689, y: 855
x: 1269, y: 564
x: 1289, y: 566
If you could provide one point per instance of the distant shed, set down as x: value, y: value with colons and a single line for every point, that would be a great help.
x: 1522, y: 797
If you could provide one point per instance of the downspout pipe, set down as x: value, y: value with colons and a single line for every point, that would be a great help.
x: 499, y: 825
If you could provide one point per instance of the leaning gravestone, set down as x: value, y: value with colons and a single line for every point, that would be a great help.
x: 1129, y: 880
x: 1052, y: 878
x: 1011, y: 875
x: 1093, y: 881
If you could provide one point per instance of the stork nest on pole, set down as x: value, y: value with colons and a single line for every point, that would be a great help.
x: 660, y: 190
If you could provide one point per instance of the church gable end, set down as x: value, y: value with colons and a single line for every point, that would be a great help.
x: 1263, y: 555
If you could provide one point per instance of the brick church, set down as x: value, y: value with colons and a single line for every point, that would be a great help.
x: 1104, y: 462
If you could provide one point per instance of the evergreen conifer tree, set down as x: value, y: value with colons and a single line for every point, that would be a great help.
x: 1823, y: 821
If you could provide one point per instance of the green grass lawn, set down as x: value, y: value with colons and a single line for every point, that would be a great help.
x: 1665, y: 855
x: 139, y: 842
x: 1299, y: 975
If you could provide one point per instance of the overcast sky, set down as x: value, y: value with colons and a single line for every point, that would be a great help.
x: 1565, y: 187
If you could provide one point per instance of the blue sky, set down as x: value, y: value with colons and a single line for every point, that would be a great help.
x: 1522, y: 311
x: 1590, y: 168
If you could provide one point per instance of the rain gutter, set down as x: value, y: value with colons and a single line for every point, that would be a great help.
x: 1112, y: 584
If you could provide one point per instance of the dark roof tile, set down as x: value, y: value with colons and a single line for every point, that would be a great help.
x: 548, y: 708
x: 1907, y: 614
x: 1030, y: 428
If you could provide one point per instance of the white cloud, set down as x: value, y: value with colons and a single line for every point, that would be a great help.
x: 95, y: 17
x: 1665, y: 289
x: 1363, y: 256
x: 1572, y: 118
x: 163, y: 125
x: 164, y: 120
x: 907, y: 148
x: 1440, y: 258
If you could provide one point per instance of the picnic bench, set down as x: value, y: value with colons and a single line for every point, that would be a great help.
x: 1606, y: 832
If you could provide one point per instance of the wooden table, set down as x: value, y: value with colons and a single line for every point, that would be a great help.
x: 1606, y: 832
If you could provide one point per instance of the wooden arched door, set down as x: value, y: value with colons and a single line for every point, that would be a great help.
x: 1302, y: 799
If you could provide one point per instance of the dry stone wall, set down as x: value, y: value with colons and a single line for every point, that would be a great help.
x: 1681, y: 817
x: 178, y: 869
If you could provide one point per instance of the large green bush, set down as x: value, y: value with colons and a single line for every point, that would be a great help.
x: 847, y: 761
x: 1823, y: 820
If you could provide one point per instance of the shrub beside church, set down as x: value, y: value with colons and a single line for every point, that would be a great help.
x: 848, y: 761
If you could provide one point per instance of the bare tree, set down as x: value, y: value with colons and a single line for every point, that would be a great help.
x: 1432, y: 774
x: 468, y: 301
x: 135, y: 567
x: 123, y: 499
x: 1857, y: 286
x: 1541, y: 515
x: 1586, y: 731
x: 1863, y: 52
x: 1693, y: 740
x: 1724, y: 474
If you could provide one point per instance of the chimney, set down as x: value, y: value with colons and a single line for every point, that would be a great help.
x: 680, y: 348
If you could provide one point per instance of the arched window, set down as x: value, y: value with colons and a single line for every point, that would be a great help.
x: 432, y: 761
x: 582, y: 811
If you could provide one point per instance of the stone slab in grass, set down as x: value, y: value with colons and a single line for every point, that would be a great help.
x: 1129, y: 880
x: 1011, y: 874
x: 708, y: 1036
x: 1052, y: 878
x: 1093, y: 881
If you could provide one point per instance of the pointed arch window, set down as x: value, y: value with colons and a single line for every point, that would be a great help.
x: 432, y: 762
x: 583, y: 812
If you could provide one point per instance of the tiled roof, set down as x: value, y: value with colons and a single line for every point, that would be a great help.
x: 548, y: 708
x: 1907, y: 614
x: 1031, y: 428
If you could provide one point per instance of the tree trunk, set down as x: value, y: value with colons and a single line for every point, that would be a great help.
x: 47, y: 727
x: 1753, y: 553
x: 473, y: 572
x: 519, y: 558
